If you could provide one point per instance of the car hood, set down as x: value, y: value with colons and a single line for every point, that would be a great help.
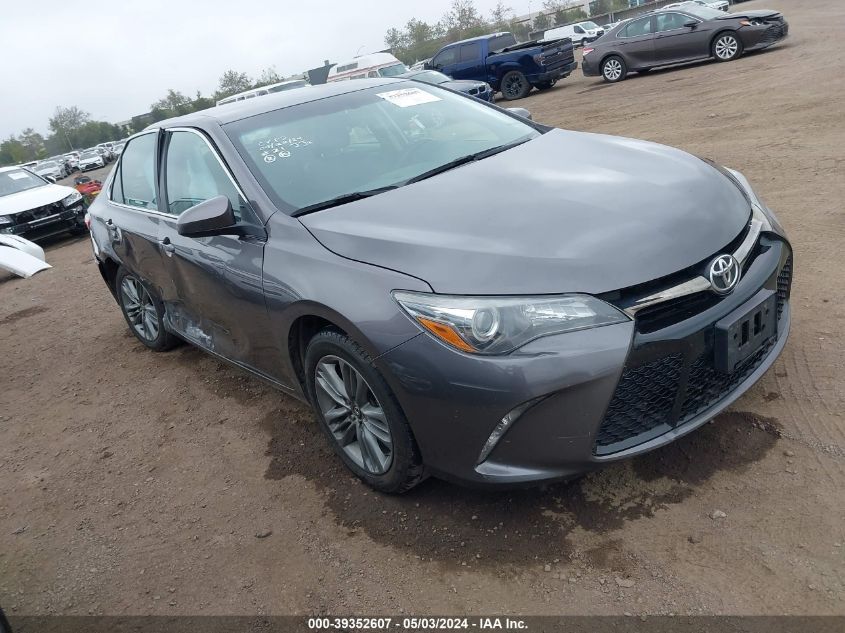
x: 565, y: 212
x: 32, y: 198
x: 757, y: 13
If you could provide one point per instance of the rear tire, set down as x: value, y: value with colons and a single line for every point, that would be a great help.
x: 359, y: 414
x: 614, y: 69
x: 726, y: 46
x: 143, y: 311
x: 514, y: 85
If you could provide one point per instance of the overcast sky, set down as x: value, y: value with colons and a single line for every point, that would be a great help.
x: 113, y: 58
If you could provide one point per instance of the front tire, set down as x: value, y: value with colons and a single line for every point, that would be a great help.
x: 614, y: 69
x: 726, y: 47
x: 515, y: 86
x: 359, y: 414
x: 143, y: 311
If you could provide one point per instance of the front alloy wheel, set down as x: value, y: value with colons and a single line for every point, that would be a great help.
x: 359, y: 413
x: 353, y: 414
x: 726, y: 47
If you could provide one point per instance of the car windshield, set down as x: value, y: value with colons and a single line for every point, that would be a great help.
x: 90, y: 155
x: 589, y: 25
x: 17, y: 180
x: 366, y: 140
x: 430, y: 77
x: 45, y: 166
x: 705, y: 13
x: 392, y: 71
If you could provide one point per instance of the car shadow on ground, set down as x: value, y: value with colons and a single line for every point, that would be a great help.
x: 452, y: 525
x: 457, y: 526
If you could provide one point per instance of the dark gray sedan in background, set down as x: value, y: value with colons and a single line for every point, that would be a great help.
x: 478, y: 89
x: 455, y: 289
x: 679, y: 35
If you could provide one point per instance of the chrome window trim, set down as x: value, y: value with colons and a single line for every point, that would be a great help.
x: 220, y: 162
x: 701, y: 283
x: 164, y: 214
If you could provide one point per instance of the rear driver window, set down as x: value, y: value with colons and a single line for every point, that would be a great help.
x: 134, y: 182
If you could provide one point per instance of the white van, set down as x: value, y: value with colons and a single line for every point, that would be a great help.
x: 290, y: 84
x: 580, y: 33
x: 374, y: 65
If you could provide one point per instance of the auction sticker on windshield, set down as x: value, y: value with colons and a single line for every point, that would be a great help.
x: 17, y: 175
x: 408, y: 97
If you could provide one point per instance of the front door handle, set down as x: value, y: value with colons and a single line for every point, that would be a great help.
x: 167, y: 245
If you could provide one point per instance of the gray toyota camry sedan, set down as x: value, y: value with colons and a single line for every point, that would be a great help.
x: 456, y: 290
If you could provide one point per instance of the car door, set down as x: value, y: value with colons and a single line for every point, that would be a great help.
x: 636, y: 43
x: 217, y: 300
x: 132, y: 212
x: 470, y: 63
x: 676, y: 42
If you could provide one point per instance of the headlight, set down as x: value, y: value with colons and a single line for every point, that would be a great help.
x: 5, y: 219
x: 72, y: 199
x: 742, y: 182
x: 498, y: 325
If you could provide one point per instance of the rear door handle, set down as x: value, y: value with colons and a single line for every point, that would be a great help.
x: 167, y: 245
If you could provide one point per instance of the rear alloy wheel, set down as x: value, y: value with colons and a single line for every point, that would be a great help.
x: 727, y: 47
x: 143, y: 312
x: 613, y: 69
x: 515, y: 85
x: 360, y: 415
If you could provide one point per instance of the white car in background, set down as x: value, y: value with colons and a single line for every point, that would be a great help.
x: 33, y: 208
x: 50, y: 169
x: 721, y: 5
x: 91, y: 159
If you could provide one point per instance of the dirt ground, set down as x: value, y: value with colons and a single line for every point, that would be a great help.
x: 142, y: 483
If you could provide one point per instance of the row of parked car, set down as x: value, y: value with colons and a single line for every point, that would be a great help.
x: 62, y: 166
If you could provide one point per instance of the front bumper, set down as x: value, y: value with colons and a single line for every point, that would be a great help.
x: 552, y: 75
x: 755, y: 38
x: 453, y: 400
x: 57, y: 222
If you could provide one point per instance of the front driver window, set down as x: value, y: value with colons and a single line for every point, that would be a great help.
x: 671, y: 21
x: 194, y: 175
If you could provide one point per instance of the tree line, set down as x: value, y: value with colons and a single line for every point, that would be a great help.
x: 73, y: 128
x: 419, y: 40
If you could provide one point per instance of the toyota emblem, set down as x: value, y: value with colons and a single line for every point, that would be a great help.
x: 724, y: 274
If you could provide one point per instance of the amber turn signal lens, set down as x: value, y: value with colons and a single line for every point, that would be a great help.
x: 446, y: 333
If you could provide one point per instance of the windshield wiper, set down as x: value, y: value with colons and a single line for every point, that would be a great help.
x: 342, y: 199
x: 469, y: 158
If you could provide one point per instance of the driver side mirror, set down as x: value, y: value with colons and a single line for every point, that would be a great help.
x: 525, y: 114
x: 211, y: 217
x: 50, y: 179
x: 692, y: 24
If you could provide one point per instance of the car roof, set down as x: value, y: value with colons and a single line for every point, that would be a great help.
x: 11, y: 168
x: 238, y: 110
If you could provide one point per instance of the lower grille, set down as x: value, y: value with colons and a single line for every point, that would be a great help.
x: 643, y: 400
x: 773, y: 34
x: 707, y: 385
x: 677, y: 383
x: 784, y: 284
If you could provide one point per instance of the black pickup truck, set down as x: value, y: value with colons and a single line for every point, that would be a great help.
x: 510, y: 68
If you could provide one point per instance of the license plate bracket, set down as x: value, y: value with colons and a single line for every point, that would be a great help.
x: 745, y: 330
